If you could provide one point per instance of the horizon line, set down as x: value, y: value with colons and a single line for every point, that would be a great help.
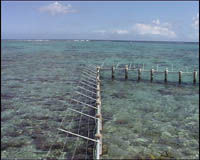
x: 105, y: 40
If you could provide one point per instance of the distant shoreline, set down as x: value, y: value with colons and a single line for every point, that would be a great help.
x: 98, y: 40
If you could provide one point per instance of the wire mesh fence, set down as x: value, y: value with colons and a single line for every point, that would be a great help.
x: 76, y: 133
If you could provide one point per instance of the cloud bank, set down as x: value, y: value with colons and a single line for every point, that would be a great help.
x: 157, y: 21
x: 100, y: 31
x: 154, y: 29
x: 57, y: 8
x: 196, y: 22
x: 120, y: 31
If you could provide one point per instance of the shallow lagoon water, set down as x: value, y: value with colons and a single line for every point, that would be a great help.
x: 155, y: 120
x: 141, y: 119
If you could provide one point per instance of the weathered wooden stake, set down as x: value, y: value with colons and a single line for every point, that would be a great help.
x: 139, y: 74
x: 166, y: 73
x: 180, y: 76
x: 113, y: 72
x: 126, y: 72
x: 152, y: 71
x: 99, y: 117
x: 194, y: 77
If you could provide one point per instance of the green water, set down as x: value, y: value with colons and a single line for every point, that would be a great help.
x: 141, y: 119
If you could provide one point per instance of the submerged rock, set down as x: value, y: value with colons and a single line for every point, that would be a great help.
x: 166, y: 135
x: 121, y: 121
x: 15, y: 133
x: 165, y: 92
x: 4, y: 146
x: 105, y: 149
x: 7, y: 96
x: 41, y: 143
x: 140, y: 141
x: 6, y: 105
x: 35, y: 133
x: 18, y: 143
x: 166, y: 155
x: 23, y: 124
x: 120, y: 95
x: 58, y: 145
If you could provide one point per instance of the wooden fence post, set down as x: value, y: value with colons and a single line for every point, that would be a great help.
x: 98, y: 135
x: 180, y: 77
x: 166, y: 73
x: 126, y: 72
x: 113, y: 72
x: 194, y: 77
x: 152, y: 71
x: 139, y: 74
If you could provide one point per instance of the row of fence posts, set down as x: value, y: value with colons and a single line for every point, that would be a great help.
x: 152, y: 74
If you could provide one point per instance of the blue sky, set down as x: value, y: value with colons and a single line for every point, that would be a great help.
x: 165, y: 21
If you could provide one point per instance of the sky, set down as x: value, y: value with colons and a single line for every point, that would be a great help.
x: 105, y: 20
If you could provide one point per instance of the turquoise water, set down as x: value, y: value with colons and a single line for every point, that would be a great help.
x: 141, y: 119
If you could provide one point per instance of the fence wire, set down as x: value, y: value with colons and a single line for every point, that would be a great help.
x: 79, y: 105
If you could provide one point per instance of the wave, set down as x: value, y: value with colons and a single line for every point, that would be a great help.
x: 38, y: 40
x: 81, y: 40
x: 34, y: 40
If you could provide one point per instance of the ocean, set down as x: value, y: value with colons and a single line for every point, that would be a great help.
x: 140, y: 119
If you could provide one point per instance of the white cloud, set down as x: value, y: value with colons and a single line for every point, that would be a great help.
x: 196, y: 22
x: 157, y: 21
x: 120, y: 31
x: 156, y: 28
x: 166, y: 24
x: 152, y: 29
x: 100, y: 31
x: 56, y: 8
x: 115, y: 31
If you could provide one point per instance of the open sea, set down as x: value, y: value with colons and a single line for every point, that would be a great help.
x: 140, y: 119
